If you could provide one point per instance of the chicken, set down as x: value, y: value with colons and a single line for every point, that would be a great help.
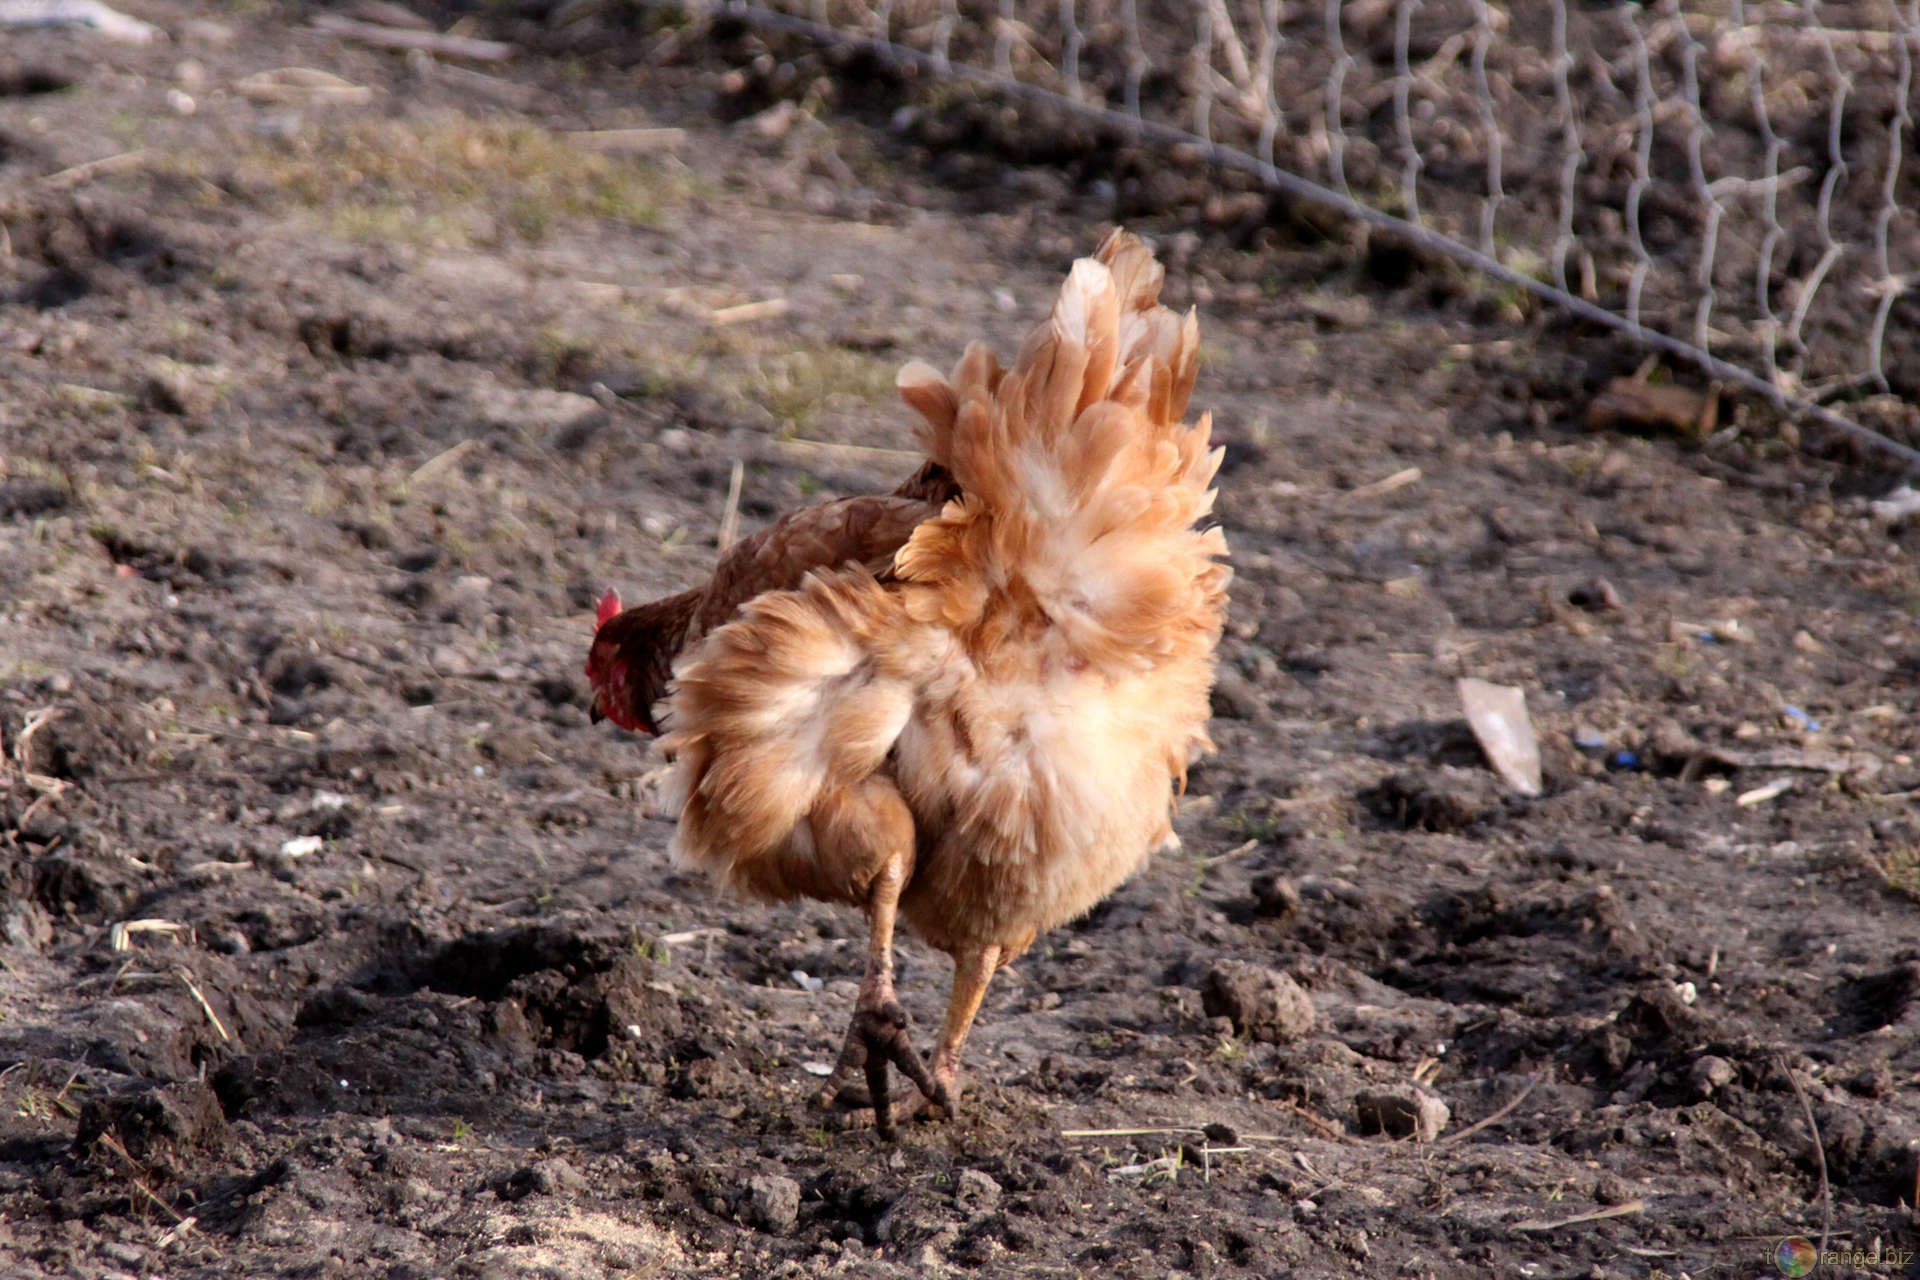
x: 975, y: 718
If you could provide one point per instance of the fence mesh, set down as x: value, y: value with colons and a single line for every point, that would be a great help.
x: 1724, y: 182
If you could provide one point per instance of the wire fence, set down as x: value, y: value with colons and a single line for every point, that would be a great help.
x: 1724, y: 183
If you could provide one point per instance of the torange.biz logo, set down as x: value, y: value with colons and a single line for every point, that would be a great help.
x: 1799, y: 1256
x: 1796, y: 1256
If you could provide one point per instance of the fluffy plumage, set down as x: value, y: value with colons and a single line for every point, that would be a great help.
x: 989, y: 733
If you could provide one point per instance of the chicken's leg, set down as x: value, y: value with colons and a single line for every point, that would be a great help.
x: 972, y: 971
x: 878, y: 1034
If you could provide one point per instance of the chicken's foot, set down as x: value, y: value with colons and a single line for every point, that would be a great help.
x: 972, y: 971
x: 878, y: 1034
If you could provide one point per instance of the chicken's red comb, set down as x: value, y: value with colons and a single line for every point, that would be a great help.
x: 609, y: 605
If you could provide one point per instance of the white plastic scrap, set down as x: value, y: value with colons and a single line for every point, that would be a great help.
x: 1897, y: 507
x: 110, y: 23
x: 1498, y: 715
x: 301, y: 846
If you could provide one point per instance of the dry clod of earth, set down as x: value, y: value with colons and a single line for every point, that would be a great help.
x: 772, y: 1204
x: 1711, y: 1073
x: 1401, y: 1112
x: 1260, y: 1002
x: 552, y: 1176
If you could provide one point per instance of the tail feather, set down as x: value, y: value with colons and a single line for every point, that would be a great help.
x: 1080, y: 484
x: 931, y: 396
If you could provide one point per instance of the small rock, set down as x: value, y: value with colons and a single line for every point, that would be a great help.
x: 1872, y: 1081
x: 1657, y: 1012
x: 975, y: 1191
x: 1611, y: 1052
x: 30, y: 498
x: 1404, y: 1112
x: 1672, y: 745
x: 1277, y: 897
x: 548, y: 1177
x: 179, y: 389
x: 26, y: 924
x: 1596, y: 596
x: 772, y: 1204
x: 1259, y: 1002
x: 124, y: 1254
x: 1237, y: 698
x: 535, y: 409
x: 229, y: 940
x: 1336, y: 890
x: 1610, y: 1189
x: 706, y: 1078
x: 1710, y: 1074
x: 418, y: 1192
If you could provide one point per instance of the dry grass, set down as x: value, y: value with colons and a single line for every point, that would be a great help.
x: 1900, y: 868
x: 794, y: 385
x: 452, y: 180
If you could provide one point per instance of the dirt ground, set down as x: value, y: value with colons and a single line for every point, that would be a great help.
x: 337, y: 942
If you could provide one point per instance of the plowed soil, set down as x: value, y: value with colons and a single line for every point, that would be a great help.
x: 335, y: 941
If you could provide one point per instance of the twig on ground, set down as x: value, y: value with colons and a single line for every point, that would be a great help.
x: 685, y: 936
x: 1144, y: 1132
x: 81, y: 174
x: 440, y: 462
x: 212, y: 1017
x: 1324, y: 1125
x: 1505, y: 1110
x: 1598, y: 1215
x: 747, y: 312
x: 1238, y: 851
x: 1819, y: 1154
x: 858, y: 450
x: 138, y: 1178
x: 301, y: 84
x: 427, y: 41
x: 1398, y: 480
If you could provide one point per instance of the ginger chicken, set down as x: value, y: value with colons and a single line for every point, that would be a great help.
x: 969, y: 705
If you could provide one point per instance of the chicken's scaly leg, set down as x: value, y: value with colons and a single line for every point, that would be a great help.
x: 972, y: 971
x: 878, y: 1034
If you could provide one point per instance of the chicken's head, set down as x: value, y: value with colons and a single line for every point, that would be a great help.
x: 610, y: 670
